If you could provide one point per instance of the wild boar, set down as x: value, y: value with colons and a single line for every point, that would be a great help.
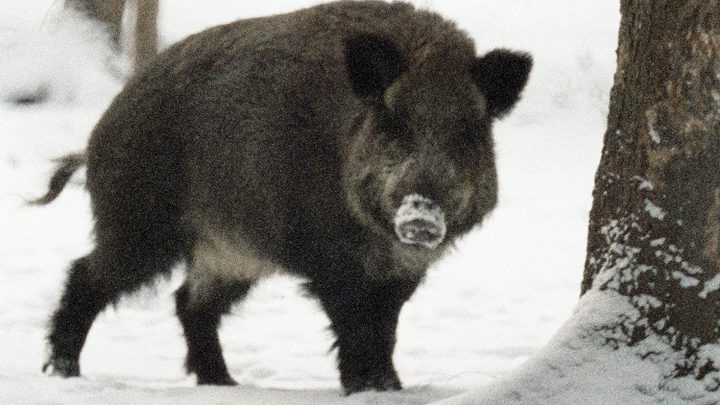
x: 349, y: 144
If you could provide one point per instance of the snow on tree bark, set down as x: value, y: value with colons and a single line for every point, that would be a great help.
x: 654, y: 232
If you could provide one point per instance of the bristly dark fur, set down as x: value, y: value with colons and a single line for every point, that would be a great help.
x: 289, y: 143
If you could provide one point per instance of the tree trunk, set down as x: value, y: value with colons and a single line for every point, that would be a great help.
x: 647, y: 329
x: 655, y: 223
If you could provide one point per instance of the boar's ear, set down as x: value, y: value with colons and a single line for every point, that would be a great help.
x: 501, y: 75
x: 373, y: 63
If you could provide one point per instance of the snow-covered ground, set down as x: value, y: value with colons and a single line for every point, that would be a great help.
x: 483, y: 311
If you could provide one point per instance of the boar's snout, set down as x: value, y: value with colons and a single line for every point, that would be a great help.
x: 420, y: 221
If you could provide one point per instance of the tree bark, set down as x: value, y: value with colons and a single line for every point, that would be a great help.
x: 654, y: 232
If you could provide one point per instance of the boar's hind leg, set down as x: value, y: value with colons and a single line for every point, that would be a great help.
x: 364, y: 317
x: 93, y: 282
x: 200, y: 307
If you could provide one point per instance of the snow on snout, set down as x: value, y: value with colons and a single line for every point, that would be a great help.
x: 418, y: 209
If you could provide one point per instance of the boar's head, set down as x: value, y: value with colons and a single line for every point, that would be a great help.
x: 419, y: 164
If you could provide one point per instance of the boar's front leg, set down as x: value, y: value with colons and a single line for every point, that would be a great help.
x: 364, y: 315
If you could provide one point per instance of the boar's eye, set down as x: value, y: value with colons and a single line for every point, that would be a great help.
x: 392, y: 124
x: 473, y: 137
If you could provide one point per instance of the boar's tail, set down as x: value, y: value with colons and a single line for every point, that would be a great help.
x: 67, y: 165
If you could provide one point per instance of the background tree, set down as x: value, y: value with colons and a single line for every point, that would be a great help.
x: 647, y: 328
x: 110, y: 13
x: 146, y: 32
x: 107, y: 12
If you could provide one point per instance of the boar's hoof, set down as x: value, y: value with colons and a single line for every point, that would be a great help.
x: 224, y: 380
x: 379, y: 382
x: 62, y: 367
x: 420, y: 221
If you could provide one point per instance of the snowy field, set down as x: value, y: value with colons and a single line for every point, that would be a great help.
x: 484, y: 310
